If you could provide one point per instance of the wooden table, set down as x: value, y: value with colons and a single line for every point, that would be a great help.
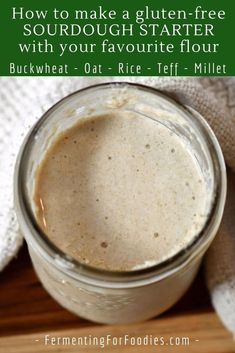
x: 27, y: 314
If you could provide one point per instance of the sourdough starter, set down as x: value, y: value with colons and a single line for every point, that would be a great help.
x: 120, y: 191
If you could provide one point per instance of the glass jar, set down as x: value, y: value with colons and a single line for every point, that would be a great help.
x: 108, y: 296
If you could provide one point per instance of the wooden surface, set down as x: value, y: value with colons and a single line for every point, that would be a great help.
x: 27, y: 314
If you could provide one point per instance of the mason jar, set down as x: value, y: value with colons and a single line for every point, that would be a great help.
x: 107, y: 296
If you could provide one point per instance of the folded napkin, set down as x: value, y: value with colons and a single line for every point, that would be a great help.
x: 25, y: 99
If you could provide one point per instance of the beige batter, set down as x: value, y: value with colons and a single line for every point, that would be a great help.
x: 120, y: 192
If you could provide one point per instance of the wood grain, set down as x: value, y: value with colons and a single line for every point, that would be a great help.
x: 27, y: 314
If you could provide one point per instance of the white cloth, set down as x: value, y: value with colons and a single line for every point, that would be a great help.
x: 24, y: 99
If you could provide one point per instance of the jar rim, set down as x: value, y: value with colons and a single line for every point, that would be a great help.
x: 160, y: 270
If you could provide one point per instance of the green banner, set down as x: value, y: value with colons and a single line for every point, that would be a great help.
x: 107, y: 38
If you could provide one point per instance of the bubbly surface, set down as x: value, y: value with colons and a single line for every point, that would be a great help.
x: 120, y: 191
